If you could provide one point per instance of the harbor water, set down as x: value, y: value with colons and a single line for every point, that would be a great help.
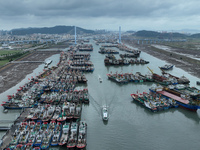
x: 130, y: 126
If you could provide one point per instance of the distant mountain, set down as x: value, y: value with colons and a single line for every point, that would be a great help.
x: 159, y: 35
x: 51, y: 30
x: 197, y: 35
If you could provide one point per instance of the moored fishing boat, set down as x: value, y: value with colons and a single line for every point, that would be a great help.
x: 15, y: 139
x: 19, y: 147
x: 77, y: 113
x: 56, y: 134
x: 48, y: 114
x: 28, y: 146
x: 46, y: 140
x: 82, y: 135
x: 56, y: 113
x: 36, y: 148
x: 38, y: 139
x: 73, y: 136
x: 65, y: 134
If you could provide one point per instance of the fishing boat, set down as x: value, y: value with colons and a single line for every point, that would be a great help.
x: 56, y: 134
x: 48, y: 114
x: 82, y: 135
x: 32, y: 137
x: 38, y: 139
x: 19, y: 147
x: 105, y: 113
x: 18, y: 105
x: 73, y: 136
x: 71, y: 111
x: 15, y: 139
x: 65, y: 134
x: 77, y: 113
x: 36, y: 148
x: 63, y: 115
x: 57, y: 113
x: 28, y: 146
x: 167, y: 67
x: 46, y: 140
x: 37, y: 112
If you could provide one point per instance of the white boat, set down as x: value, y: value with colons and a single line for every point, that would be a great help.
x: 105, y: 113
x: 100, y: 79
x: 65, y: 134
x: 47, y: 63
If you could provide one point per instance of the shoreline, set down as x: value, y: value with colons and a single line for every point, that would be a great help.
x: 13, y: 73
x: 188, y: 64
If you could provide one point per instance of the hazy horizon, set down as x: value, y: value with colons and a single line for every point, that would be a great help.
x: 105, y: 14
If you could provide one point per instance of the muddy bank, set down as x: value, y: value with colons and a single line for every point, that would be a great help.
x: 13, y: 73
x: 179, y: 57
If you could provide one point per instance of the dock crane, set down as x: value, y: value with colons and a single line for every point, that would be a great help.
x: 150, y: 70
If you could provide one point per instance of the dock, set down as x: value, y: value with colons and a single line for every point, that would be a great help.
x: 6, y: 139
x: 14, y: 62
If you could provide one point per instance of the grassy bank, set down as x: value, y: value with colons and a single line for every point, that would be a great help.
x: 10, y: 55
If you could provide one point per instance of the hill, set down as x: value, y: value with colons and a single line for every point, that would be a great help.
x: 154, y: 34
x: 51, y: 30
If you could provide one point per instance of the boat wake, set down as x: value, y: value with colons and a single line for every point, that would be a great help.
x: 95, y: 104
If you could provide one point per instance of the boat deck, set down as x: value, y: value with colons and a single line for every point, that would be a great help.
x: 184, y: 101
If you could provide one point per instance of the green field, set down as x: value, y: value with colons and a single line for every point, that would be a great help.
x: 10, y: 55
x: 5, y: 52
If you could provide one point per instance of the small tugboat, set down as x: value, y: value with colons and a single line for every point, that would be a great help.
x: 82, y: 135
x: 105, y: 113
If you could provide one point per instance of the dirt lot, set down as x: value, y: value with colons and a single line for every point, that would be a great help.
x: 13, y: 73
x: 182, y: 58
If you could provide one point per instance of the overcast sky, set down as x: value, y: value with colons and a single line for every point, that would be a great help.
x: 101, y: 14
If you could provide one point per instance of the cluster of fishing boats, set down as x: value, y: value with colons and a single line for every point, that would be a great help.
x: 123, y: 47
x: 85, y: 47
x: 37, y: 135
x: 127, y: 77
x: 103, y: 50
x: 164, y: 79
x: 82, y: 64
x: 167, y: 78
x: 162, y: 98
x: 127, y: 55
x: 53, y: 106
x: 112, y: 60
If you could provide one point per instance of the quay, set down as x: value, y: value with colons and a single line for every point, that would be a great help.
x: 27, y: 62
x: 6, y: 139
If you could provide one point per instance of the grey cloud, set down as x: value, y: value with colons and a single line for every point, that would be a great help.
x: 43, y: 12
